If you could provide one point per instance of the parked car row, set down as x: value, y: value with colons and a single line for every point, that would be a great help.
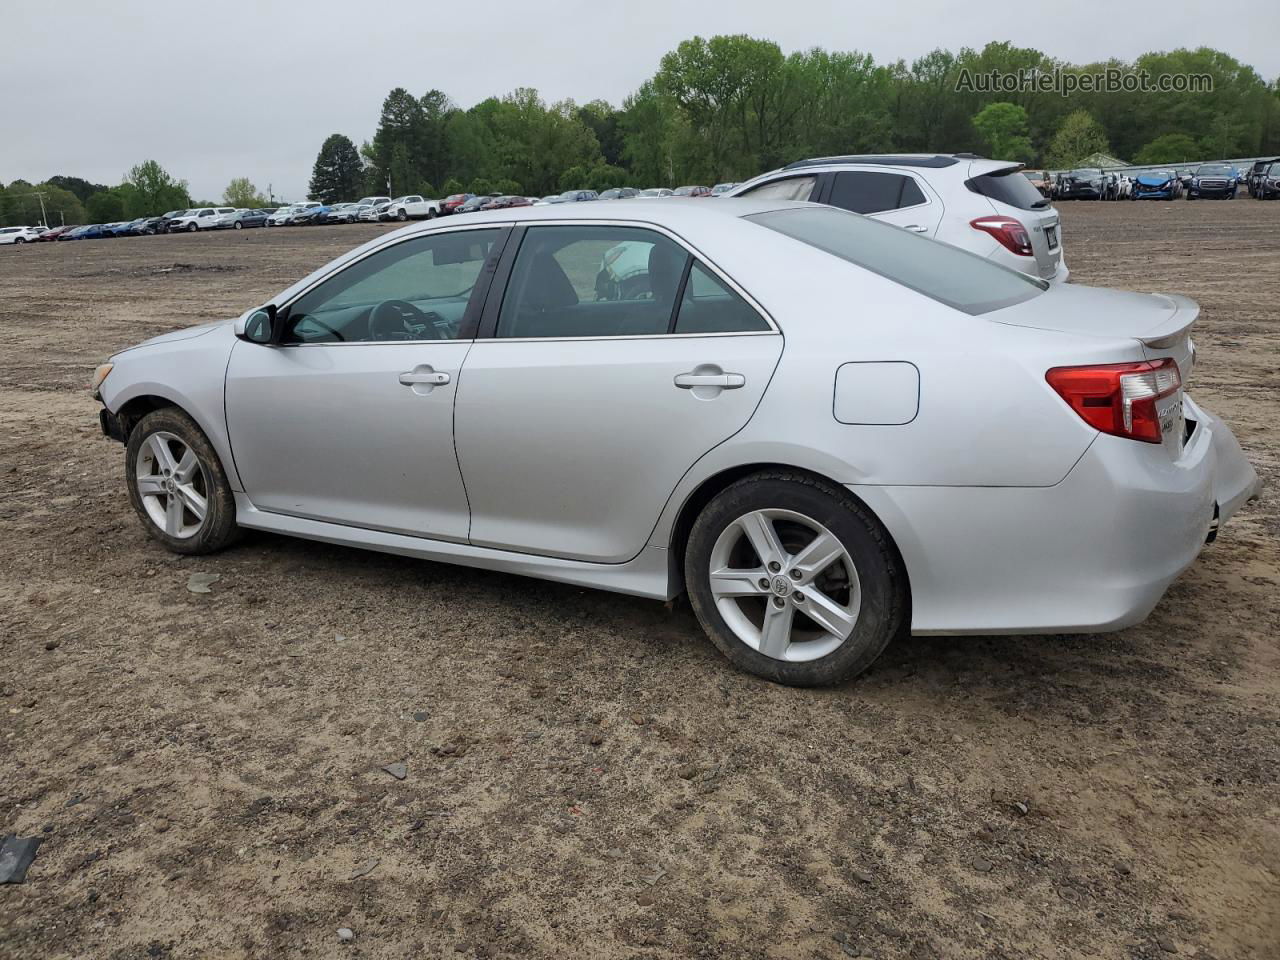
x: 1210, y: 181
x: 365, y: 210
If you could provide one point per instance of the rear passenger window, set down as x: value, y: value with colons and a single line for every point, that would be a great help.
x: 792, y: 188
x: 709, y: 306
x: 865, y: 192
x: 911, y: 193
x: 589, y: 281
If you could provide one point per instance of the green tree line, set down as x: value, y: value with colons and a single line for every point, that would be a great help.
x: 728, y: 107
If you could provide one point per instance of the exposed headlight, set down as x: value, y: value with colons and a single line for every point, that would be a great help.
x: 99, y: 375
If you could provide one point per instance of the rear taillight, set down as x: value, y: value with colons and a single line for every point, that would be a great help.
x: 1119, y: 398
x: 1012, y: 235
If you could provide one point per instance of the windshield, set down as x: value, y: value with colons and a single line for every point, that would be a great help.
x: 1085, y: 174
x: 938, y: 270
x: 650, y: 193
x: 1214, y: 170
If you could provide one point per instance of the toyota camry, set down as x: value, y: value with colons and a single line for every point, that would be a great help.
x: 825, y: 430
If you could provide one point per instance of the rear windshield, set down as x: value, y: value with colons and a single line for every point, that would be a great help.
x: 1005, y: 186
x: 938, y: 270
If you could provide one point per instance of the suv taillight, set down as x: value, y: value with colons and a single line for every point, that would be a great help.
x: 1012, y: 235
x: 1119, y: 398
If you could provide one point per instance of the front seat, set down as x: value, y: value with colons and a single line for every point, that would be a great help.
x: 546, y: 300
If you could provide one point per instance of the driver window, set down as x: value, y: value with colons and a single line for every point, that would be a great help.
x: 416, y: 290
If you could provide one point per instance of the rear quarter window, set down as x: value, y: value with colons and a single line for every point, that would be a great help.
x: 937, y: 270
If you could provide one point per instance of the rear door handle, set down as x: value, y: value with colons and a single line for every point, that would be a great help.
x: 725, y: 381
x: 434, y: 379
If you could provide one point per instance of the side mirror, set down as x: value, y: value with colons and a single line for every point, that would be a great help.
x: 259, y: 326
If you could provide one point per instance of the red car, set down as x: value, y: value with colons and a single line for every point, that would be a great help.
x: 693, y: 191
x: 54, y: 233
x: 451, y: 203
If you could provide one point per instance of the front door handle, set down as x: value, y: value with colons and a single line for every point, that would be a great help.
x: 916, y: 228
x: 423, y: 379
x: 434, y: 379
x: 724, y: 381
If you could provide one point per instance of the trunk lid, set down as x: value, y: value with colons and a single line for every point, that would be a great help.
x: 1160, y: 322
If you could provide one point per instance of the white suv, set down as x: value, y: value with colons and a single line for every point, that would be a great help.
x: 983, y: 206
x: 19, y: 234
x: 199, y: 218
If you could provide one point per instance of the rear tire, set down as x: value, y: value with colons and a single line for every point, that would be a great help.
x: 755, y: 611
x: 187, y: 505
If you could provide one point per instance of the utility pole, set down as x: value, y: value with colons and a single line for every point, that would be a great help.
x: 44, y: 217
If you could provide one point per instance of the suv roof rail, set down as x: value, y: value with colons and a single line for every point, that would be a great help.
x: 936, y: 160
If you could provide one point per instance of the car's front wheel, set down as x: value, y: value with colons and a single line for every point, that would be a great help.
x: 177, y: 484
x: 402, y: 216
x: 794, y: 580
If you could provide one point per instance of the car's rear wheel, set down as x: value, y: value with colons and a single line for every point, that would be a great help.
x: 794, y: 580
x: 20, y: 240
x: 177, y: 484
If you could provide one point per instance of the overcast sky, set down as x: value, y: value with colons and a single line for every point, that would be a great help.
x: 215, y: 90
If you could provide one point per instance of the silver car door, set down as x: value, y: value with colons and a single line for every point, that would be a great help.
x: 349, y: 419
x: 575, y: 421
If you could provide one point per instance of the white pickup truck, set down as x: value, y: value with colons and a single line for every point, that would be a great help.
x: 199, y: 218
x: 412, y: 207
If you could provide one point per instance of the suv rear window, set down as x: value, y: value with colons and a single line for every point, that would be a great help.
x: 1005, y: 186
x: 938, y: 270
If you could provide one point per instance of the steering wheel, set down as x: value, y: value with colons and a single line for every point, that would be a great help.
x: 391, y: 319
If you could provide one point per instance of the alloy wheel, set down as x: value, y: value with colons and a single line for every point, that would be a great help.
x: 785, y: 585
x: 173, y: 485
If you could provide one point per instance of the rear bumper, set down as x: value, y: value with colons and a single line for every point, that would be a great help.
x: 1095, y: 552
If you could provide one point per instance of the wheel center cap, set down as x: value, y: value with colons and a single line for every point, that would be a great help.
x: 781, y: 586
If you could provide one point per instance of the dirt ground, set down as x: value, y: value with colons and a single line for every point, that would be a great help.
x: 586, y: 778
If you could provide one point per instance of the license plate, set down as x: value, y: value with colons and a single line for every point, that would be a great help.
x: 1172, y: 422
x: 1051, y: 235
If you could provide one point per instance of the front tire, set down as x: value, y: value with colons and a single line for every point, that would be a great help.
x: 177, y: 485
x: 238, y: 225
x: 402, y: 216
x: 794, y: 580
x: 192, y: 228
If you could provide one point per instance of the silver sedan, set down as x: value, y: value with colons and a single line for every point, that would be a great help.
x: 826, y: 430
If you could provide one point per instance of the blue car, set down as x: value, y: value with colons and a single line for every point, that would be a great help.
x: 92, y: 232
x: 1157, y: 185
x: 1216, y: 180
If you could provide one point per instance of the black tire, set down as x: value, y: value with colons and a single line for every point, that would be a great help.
x: 219, y: 526
x: 238, y: 225
x: 431, y: 214
x: 192, y: 228
x: 402, y: 215
x: 884, y: 596
x: 20, y: 240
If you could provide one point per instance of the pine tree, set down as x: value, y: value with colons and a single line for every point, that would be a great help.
x: 338, y: 172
